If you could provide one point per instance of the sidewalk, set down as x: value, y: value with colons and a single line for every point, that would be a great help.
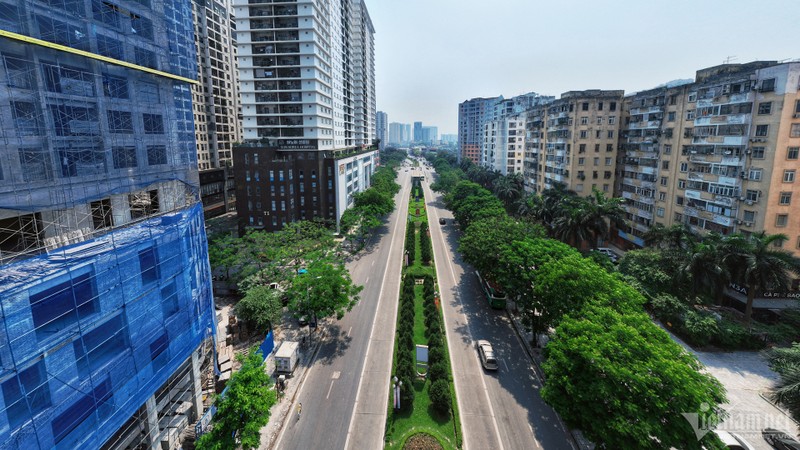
x: 281, y: 410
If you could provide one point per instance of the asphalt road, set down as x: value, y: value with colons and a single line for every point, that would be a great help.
x: 345, y: 392
x: 502, y: 409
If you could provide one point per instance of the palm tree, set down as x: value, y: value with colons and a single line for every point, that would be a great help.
x: 602, y: 211
x: 754, y: 262
x: 787, y: 390
x: 552, y: 204
x: 678, y: 236
x: 508, y: 189
x: 704, y: 269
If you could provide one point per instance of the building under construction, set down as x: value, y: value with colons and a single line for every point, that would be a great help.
x: 105, y: 292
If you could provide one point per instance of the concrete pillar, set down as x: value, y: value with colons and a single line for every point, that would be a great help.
x: 152, y: 421
x: 197, y: 385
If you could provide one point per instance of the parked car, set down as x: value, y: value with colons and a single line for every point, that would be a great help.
x: 779, y: 439
x: 608, y: 252
x: 486, y: 354
x: 733, y: 441
x: 442, y: 221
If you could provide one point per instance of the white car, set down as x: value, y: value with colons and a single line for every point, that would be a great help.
x: 733, y: 441
x: 608, y: 252
x: 486, y: 354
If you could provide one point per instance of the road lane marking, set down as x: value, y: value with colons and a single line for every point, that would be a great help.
x: 348, y: 331
x: 329, y: 390
x: 403, y: 200
x: 466, y: 321
x: 505, y: 364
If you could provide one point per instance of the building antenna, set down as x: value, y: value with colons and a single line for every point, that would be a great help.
x: 729, y: 59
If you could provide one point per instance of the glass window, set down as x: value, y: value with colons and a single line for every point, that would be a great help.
x: 124, y: 157
x: 156, y: 155
x: 785, y: 198
x: 765, y: 108
x: 153, y: 123
x: 788, y: 176
x: 781, y: 220
x: 762, y: 130
x: 120, y: 122
x: 792, y: 152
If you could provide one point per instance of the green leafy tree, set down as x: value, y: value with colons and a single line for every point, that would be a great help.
x: 654, y: 271
x: 439, y: 393
x: 676, y: 237
x: 599, y: 366
x: 374, y: 201
x: 262, y: 306
x: 755, y: 262
x: 476, y: 207
x: 509, y: 189
x: 325, y: 290
x: 244, y: 409
x: 482, y: 243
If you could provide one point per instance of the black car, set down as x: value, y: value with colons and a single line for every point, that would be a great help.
x: 779, y: 439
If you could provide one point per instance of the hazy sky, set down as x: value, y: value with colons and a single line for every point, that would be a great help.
x: 433, y: 54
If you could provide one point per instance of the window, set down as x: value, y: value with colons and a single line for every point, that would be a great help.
x: 158, y: 354
x: 781, y: 220
x: 751, y: 195
x: 608, y: 161
x: 660, y: 212
x: 60, y: 303
x: 667, y: 149
x: 124, y: 157
x: 690, y: 114
x: 112, y: 48
x: 26, y: 119
x: 156, y: 155
x: 665, y: 165
x: 83, y: 409
x: 610, y: 134
x: 609, y: 147
x: 785, y: 198
x: 605, y: 188
x: 584, y: 134
x: 758, y: 152
x: 679, y: 201
x: 99, y: 346
x: 581, y: 161
x: 599, y: 106
x: 612, y: 120
x: 792, y: 152
x: 582, y: 148
x: 148, y: 93
x: 584, y: 120
x: 681, y: 184
x: 749, y: 216
x: 600, y: 120
x: 148, y: 263
x: 795, y: 130
x: 20, y: 73
x: 153, y: 123
x: 755, y: 174
x: 101, y: 214
x: 762, y: 130
x: 598, y: 133
x: 115, y: 87
x: 597, y: 148
x: 684, y: 167
x: 765, y: 108
x: 120, y: 122
x: 692, y: 97
x: 664, y: 181
x: 768, y: 85
x: 662, y: 196
x: 788, y: 176
x: 612, y: 106
x: 585, y: 106
x: 671, y: 116
x: 28, y: 388
x: 797, y: 107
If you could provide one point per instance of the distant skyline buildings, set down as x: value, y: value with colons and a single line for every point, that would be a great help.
x: 405, y: 134
x: 382, y: 128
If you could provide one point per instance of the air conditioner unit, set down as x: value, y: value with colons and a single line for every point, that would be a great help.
x: 748, y: 151
x: 796, y: 116
x: 694, y: 152
x: 727, y: 152
x: 741, y: 199
x: 738, y: 222
x: 749, y: 202
x: 748, y: 224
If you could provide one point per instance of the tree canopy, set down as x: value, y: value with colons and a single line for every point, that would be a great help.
x: 324, y: 290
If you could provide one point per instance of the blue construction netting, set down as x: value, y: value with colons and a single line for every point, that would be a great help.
x: 93, y: 329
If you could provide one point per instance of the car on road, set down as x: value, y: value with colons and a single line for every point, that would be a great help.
x: 779, y: 439
x: 608, y: 252
x: 442, y: 221
x: 733, y: 441
x: 486, y: 354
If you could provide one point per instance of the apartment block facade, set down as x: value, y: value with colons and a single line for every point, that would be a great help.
x: 215, y: 98
x: 573, y: 141
x: 105, y: 287
x: 382, y: 128
x: 718, y: 154
x: 307, y: 72
x: 472, y: 115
